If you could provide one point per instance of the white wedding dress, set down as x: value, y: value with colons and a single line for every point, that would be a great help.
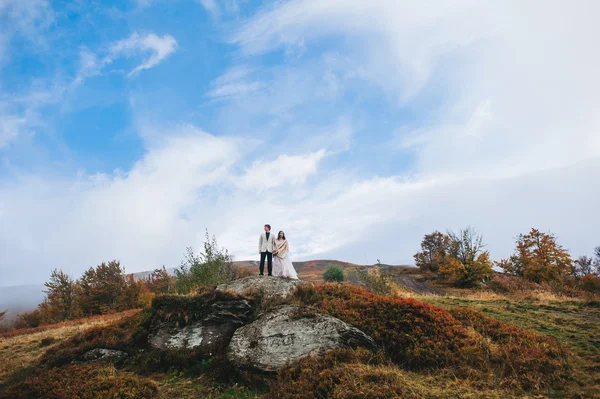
x: 283, y: 267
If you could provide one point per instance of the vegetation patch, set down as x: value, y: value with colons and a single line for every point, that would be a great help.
x: 523, y: 358
x: 417, y: 336
x: 413, y: 334
x: 359, y: 373
x: 82, y: 381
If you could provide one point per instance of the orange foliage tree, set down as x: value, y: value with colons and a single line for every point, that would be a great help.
x: 467, y: 264
x: 458, y: 258
x: 434, y: 251
x: 539, y: 258
x: 101, y: 288
x: 61, y: 298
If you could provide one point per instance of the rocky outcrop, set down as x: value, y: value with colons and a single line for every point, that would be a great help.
x: 268, y: 286
x: 209, y: 335
x: 105, y: 355
x: 289, y: 333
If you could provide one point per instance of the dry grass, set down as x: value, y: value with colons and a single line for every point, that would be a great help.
x: 19, y: 351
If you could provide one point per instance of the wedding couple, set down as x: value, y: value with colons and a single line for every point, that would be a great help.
x: 268, y: 246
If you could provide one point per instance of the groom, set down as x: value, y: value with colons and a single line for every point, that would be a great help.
x: 266, y: 245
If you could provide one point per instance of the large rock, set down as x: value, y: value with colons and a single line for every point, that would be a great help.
x: 269, y: 286
x: 209, y: 335
x: 289, y: 333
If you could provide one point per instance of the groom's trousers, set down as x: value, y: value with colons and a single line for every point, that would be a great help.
x: 269, y: 257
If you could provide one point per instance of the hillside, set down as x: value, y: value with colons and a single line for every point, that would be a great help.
x: 434, y: 346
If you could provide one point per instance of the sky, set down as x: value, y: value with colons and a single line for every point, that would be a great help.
x: 130, y: 128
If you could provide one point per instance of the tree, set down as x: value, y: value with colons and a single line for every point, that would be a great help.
x: 333, y: 274
x: 29, y: 320
x: 100, y: 288
x: 539, y: 258
x: 466, y: 263
x: 60, y: 296
x: 434, y: 249
x: 160, y: 281
x: 129, y: 297
x: 2, y: 315
x: 213, y: 266
x: 584, y: 266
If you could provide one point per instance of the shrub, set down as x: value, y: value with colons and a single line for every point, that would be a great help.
x: 413, y: 334
x: 375, y: 279
x: 212, y: 267
x: 333, y: 274
x: 89, y: 381
x: 590, y: 283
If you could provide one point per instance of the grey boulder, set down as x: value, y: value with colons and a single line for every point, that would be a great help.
x: 210, y: 335
x: 289, y: 333
x: 269, y: 286
x: 105, y: 355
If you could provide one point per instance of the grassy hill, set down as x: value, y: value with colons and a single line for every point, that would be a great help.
x: 495, y: 342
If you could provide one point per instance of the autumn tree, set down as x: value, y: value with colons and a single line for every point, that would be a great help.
x: 61, y: 293
x: 539, y: 258
x: 466, y: 264
x: 129, y: 297
x: 434, y: 250
x: 101, y: 287
x: 160, y: 281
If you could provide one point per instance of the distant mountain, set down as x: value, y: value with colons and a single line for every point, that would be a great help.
x: 20, y: 299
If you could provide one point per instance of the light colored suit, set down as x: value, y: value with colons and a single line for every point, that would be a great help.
x: 265, y: 245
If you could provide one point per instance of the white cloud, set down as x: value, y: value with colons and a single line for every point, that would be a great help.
x: 518, y: 81
x: 234, y: 83
x: 285, y: 169
x: 190, y: 180
x: 25, y: 19
x: 159, y: 47
x: 210, y: 6
x: 10, y: 128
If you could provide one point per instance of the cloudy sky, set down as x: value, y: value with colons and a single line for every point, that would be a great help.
x: 128, y: 129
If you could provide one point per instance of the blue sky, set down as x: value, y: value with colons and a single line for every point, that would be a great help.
x: 128, y: 128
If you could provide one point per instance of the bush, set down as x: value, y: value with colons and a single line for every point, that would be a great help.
x: 89, y: 381
x: 333, y: 274
x: 590, y: 283
x: 375, y: 279
x: 413, y: 334
x: 212, y: 267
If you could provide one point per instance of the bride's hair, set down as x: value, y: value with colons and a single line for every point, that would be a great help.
x: 279, y: 235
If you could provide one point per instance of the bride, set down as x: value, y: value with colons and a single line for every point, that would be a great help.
x: 282, y: 265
